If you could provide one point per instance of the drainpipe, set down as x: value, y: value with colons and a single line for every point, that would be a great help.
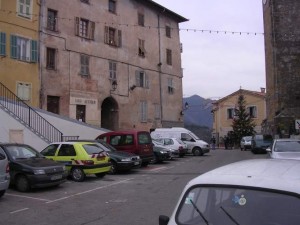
x: 159, y: 70
x: 41, y: 91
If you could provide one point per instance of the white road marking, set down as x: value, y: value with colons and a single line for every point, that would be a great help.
x: 20, y: 210
x: 22, y: 196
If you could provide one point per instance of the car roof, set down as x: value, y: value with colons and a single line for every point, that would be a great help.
x: 287, y: 139
x: 277, y: 174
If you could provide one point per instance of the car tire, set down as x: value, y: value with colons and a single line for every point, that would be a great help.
x: 113, y: 168
x: 77, y: 174
x: 100, y: 175
x: 154, y: 160
x: 2, y: 193
x: 145, y: 164
x: 22, y: 183
x: 197, y: 151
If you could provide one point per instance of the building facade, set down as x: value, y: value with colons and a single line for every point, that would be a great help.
x: 19, y: 68
x: 111, y: 63
x: 282, y: 50
x: 223, y: 111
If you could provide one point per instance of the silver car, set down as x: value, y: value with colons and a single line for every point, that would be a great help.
x: 285, y: 149
x: 246, y: 143
x: 4, y: 173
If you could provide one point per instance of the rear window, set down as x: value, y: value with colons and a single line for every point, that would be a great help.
x: 92, y: 148
x: 122, y: 139
x: 144, y: 138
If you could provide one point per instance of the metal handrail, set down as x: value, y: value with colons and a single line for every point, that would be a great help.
x: 28, y: 115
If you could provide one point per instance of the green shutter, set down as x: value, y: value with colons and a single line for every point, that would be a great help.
x: 2, y: 44
x: 13, y: 47
x: 34, y: 52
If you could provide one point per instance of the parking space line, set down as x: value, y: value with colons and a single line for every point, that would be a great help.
x: 20, y: 210
x: 88, y: 191
x: 22, y: 196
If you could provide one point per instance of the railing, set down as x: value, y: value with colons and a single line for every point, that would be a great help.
x: 27, y: 115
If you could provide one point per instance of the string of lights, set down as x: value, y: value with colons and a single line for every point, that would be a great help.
x: 210, y: 31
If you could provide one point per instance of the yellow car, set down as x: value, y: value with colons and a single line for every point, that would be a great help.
x: 80, y: 158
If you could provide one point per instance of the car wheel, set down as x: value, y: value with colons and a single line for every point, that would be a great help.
x: 2, y: 193
x: 22, y: 183
x: 100, y: 175
x: 77, y: 174
x: 113, y: 168
x: 197, y: 152
x: 145, y: 164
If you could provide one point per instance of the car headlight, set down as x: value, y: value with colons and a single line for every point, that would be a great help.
x: 126, y: 159
x: 39, y: 172
x: 162, y: 152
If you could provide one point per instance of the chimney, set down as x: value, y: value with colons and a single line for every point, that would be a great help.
x: 263, y: 90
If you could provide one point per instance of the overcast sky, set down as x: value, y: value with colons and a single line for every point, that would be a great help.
x: 218, y: 64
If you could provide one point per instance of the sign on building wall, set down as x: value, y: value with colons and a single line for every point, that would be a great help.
x: 83, y: 101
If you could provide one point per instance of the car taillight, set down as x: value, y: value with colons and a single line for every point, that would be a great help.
x: 7, y: 168
x: 101, y: 155
x: 88, y: 162
x: 180, y: 148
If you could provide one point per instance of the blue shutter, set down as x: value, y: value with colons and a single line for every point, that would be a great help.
x: 13, y: 47
x: 2, y: 44
x: 33, y: 57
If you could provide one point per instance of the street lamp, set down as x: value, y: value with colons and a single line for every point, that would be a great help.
x: 186, y: 106
x: 114, y: 85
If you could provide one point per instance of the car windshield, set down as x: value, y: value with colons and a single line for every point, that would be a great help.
x: 194, y: 136
x: 180, y: 141
x: 230, y: 206
x: 92, y: 148
x: 248, y: 138
x: 106, y: 147
x: 22, y: 152
x: 287, y: 146
x: 157, y: 142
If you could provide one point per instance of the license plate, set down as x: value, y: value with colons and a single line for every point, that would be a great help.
x: 56, y: 177
x: 146, y: 149
x: 136, y: 163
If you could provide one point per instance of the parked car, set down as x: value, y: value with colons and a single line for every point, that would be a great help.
x: 132, y: 141
x: 177, y: 146
x: 161, y: 154
x: 4, y: 173
x: 285, y: 149
x: 120, y: 161
x: 260, y: 143
x: 80, y: 158
x: 29, y: 169
x: 246, y: 143
x: 257, y: 191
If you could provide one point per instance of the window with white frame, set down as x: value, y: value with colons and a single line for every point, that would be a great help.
x: 143, y: 110
x: 113, y: 36
x: 230, y: 113
x: 24, y: 8
x: 142, y: 50
x: 252, y: 111
x: 23, y: 49
x: 84, y: 65
x: 24, y: 91
x: 112, y: 70
x: 170, y: 86
x: 142, y: 79
x: 157, y: 111
x: 84, y: 28
x: 52, y: 20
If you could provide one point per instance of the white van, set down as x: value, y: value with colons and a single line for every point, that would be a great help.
x: 194, y: 144
x: 250, y: 192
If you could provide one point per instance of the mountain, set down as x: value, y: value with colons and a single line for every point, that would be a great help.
x: 198, y: 112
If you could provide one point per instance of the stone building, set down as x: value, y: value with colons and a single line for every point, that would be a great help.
x: 111, y: 63
x: 282, y: 50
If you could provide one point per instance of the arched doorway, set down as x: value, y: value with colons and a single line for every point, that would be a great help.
x: 110, y: 114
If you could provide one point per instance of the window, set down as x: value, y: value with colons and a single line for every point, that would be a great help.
x: 84, y: 28
x: 85, y: 1
x: 112, y: 70
x: 156, y: 111
x: 53, y: 104
x: 142, y: 48
x: 230, y: 113
x: 252, y: 111
x: 170, y: 86
x: 24, y: 91
x: 84, y: 65
x: 51, y: 58
x: 168, y: 31
x: 23, y: 49
x: 113, y: 36
x: 143, y: 106
x: 66, y: 150
x: 24, y: 8
x: 2, y: 44
x: 141, y: 19
x: 169, y: 56
x: 80, y: 113
x: 141, y: 79
x: 112, y: 6
x: 52, y: 20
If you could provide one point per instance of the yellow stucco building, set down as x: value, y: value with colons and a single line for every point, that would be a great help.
x: 19, y: 68
x: 223, y: 111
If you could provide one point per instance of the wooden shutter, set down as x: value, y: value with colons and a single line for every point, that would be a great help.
x: 137, y: 78
x: 91, y: 30
x: 34, y: 51
x: 77, y: 26
x: 2, y: 44
x: 119, y: 42
x: 146, y: 80
x: 13, y: 47
x: 106, y: 35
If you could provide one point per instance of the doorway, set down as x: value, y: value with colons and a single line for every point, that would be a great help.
x: 110, y: 114
x: 53, y: 104
x: 80, y: 113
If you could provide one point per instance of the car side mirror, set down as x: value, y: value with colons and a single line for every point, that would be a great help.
x: 163, y: 220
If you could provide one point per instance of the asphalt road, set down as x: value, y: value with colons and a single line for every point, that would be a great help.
x: 135, y: 198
